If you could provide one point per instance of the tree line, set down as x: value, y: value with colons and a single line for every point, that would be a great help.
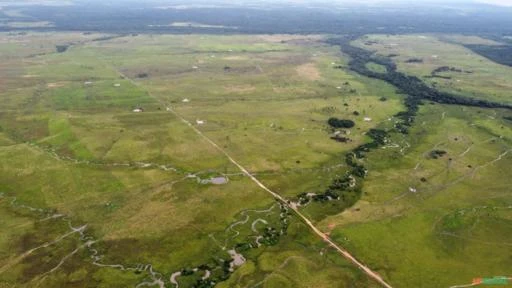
x: 348, y: 187
x: 409, y: 85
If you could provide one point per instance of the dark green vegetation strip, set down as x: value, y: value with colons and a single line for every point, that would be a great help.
x: 501, y: 54
x: 409, y: 85
x: 348, y: 188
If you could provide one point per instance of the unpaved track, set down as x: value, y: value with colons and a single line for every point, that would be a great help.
x: 322, y: 235
x: 308, y: 222
x: 463, y: 286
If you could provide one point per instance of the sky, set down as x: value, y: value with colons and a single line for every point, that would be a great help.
x: 498, y: 2
x: 492, y: 2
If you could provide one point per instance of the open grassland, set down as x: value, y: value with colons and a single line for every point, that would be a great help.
x: 84, y: 176
x: 435, y: 222
x: 93, y: 194
x: 459, y: 70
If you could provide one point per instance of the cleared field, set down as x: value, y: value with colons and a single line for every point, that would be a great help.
x: 102, y: 186
x: 132, y: 185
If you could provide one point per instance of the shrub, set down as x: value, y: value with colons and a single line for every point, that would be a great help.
x: 61, y: 48
x: 341, y: 123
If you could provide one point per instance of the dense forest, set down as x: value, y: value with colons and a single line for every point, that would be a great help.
x: 501, y: 54
x: 265, y: 17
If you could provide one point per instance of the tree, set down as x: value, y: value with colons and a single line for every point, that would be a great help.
x: 340, y: 123
x: 61, y: 48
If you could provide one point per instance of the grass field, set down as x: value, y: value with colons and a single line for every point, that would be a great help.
x: 420, y: 55
x: 456, y: 223
x: 93, y: 194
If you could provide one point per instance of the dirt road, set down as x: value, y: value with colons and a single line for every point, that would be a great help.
x: 308, y: 222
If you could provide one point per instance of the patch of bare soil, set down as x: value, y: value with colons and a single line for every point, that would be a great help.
x: 309, y: 71
x: 235, y: 58
x: 55, y: 85
x: 239, y: 88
